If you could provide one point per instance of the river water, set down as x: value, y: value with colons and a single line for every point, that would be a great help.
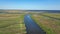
x: 31, y: 26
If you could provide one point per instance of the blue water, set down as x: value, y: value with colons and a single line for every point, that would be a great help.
x: 31, y: 26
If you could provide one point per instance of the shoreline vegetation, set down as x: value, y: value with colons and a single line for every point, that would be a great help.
x: 49, y: 25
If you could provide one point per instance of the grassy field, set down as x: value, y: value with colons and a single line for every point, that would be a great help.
x: 49, y: 25
x: 12, y: 24
x: 55, y: 15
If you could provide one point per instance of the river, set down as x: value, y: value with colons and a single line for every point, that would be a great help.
x: 31, y: 26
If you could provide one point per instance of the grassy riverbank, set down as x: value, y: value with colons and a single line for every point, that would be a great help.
x: 49, y: 25
x: 12, y: 24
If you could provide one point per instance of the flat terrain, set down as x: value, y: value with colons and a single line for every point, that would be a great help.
x: 12, y: 24
x: 55, y: 15
x: 49, y: 25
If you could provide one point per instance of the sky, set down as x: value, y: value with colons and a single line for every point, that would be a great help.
x: 30, y: 4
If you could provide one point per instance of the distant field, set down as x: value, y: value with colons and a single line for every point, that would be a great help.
x: 49, y: 25
x: 12, y: 24
x: 55, y: 15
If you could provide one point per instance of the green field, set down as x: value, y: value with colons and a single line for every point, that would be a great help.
x: 55, y: 15
x: 12, y: 24
x: 49, y: 25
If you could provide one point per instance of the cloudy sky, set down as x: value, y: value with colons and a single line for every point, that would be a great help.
x: 30, y: 4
